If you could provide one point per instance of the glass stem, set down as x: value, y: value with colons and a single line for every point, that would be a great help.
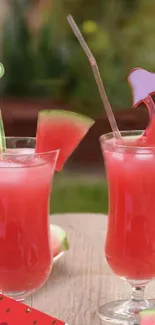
x: 137, y: 293
x: 137, y: 301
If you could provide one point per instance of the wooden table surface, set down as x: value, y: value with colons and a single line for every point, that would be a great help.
x: 81, y: 280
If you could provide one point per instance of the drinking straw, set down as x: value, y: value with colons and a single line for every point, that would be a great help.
x: 2, y: 132
x: 2, y: 135
x: 97, y: 76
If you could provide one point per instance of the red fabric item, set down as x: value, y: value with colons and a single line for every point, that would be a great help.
x: 16, y: 313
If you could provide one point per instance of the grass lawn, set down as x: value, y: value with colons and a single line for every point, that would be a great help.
x: 78, y: 193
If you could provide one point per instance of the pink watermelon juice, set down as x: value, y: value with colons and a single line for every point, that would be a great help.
x: 25, y: 251
x: 130, y: 242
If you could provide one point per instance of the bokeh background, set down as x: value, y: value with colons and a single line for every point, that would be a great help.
x: 47, y: 69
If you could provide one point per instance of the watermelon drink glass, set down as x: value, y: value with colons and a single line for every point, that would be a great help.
x: 130, y: 240
x: 25, y: 185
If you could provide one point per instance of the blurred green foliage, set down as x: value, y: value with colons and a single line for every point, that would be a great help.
x: 79, y: 193
x: 18, y: 58
x: 120, y: 33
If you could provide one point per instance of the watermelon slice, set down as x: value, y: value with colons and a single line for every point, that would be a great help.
x: 62, y: 130
x: 147, y: 317
x: 59, y: 240
x: 16, y: 313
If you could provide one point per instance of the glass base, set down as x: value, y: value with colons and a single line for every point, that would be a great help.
x: 124, y: 311
x: 18, y: 296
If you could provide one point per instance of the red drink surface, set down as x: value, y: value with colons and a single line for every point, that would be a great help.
x: 130, y: 242
x: 25, y: 254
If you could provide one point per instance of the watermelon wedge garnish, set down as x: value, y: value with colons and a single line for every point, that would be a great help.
x: 147, y: 317
x: 62, y: 130
x: 59, y: 240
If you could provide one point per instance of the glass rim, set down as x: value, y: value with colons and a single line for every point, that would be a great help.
x: 104, y: 139
x: 56, y: 151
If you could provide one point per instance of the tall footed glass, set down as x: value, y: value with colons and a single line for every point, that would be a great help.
x: 130, y: 241
x: 25, y: 186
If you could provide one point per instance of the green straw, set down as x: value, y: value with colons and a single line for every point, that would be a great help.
x: 2, y: 132
x: 2, y: 135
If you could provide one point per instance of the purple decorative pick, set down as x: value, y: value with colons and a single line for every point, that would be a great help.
x: 142, y: 83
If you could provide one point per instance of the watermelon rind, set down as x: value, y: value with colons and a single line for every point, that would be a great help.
x: 61, y: 235
x: 147, y: 312
x: 68, y: 114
